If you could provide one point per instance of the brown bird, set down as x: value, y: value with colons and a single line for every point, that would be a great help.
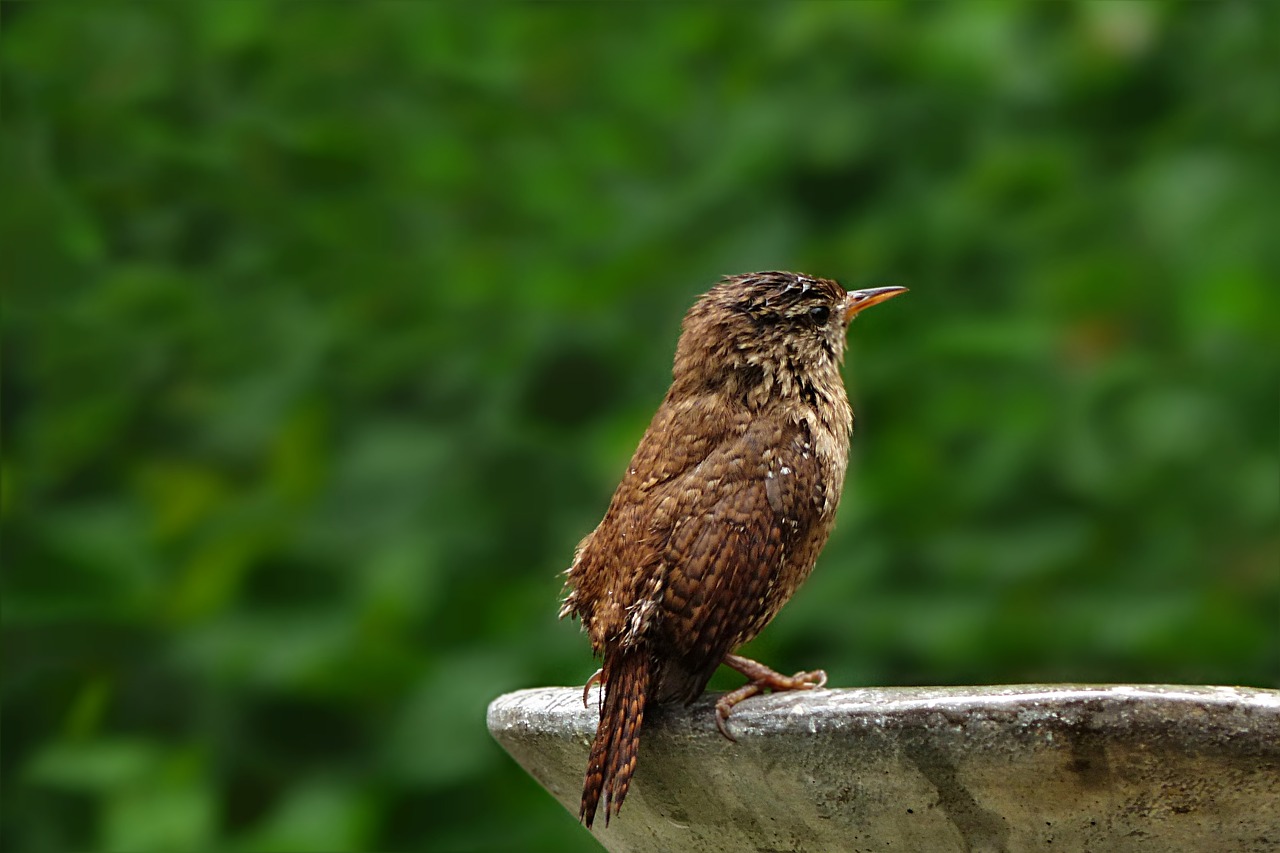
x: 723, y: 510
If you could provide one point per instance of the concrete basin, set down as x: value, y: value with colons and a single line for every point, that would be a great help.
x: 1012, y: 768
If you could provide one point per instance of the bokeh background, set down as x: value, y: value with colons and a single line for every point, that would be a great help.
x: 329, y: 328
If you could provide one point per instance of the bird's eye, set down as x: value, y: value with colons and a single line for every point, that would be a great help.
x: 820, y: 314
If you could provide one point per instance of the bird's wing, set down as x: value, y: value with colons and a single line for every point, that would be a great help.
x: 616, y: 567
x: 741, y: 542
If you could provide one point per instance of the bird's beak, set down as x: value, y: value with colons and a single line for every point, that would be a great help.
x: 856, y: 300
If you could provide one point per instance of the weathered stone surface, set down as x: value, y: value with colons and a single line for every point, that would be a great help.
x: 1057, y: 767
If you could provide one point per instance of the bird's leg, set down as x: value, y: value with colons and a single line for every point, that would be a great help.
x: 761, y: 678
x: 594, y: 679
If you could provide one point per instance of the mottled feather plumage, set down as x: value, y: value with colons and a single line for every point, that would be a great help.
x: 723, y: 509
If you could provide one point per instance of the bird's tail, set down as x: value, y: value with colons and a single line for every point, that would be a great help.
x: 613, y: 753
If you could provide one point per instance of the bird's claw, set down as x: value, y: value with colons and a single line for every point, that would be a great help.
x: 722, y: 719
x: 596, y: 679
x: 762, y: 678
x: 809, y: 680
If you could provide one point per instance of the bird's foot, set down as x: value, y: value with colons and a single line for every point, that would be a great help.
x: 594, y: 679
x: 761, y: 678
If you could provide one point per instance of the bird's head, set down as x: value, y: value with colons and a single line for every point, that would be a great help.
x: 782, y: 330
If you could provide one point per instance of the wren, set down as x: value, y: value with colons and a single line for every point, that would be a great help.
x: 722, y: 512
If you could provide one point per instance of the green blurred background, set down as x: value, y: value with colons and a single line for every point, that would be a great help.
x: 329, y: 328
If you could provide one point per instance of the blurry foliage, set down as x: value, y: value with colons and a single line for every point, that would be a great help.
x: 329, y: 329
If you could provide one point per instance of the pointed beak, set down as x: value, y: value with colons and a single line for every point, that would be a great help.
x: 857, y: 300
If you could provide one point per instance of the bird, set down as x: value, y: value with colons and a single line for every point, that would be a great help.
x: 721, y: 513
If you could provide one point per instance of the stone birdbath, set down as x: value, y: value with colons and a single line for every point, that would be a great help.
x: 1028, y: 767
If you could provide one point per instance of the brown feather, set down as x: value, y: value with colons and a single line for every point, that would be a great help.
x: 723, y: 509
x: 613, y: 752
